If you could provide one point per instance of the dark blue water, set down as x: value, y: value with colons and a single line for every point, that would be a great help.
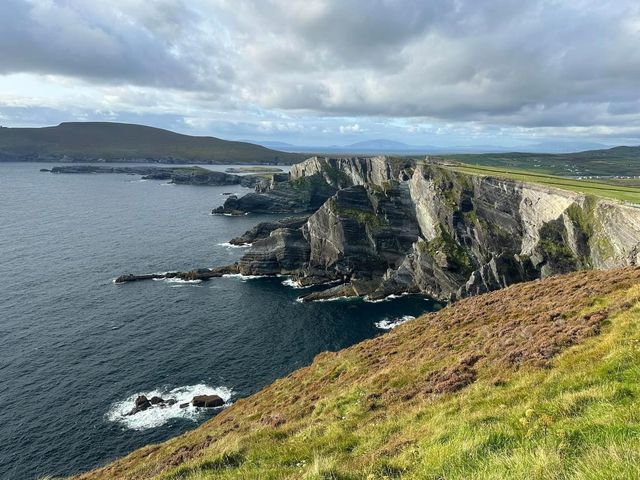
x: 74, y: 347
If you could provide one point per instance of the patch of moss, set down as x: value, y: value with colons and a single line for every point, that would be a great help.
x: 554, y: 247
x: 457, y: 256
x: 363, y: 217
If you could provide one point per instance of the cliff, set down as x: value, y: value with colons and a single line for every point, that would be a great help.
x: 391, y: 226
x: 539, y: 380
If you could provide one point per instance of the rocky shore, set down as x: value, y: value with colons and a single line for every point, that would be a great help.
x: 192, y: 275
x: 179, y: 176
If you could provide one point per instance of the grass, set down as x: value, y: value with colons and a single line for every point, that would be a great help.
x: 596, y: 188
x: 539, y: 380
x: 607, y: 162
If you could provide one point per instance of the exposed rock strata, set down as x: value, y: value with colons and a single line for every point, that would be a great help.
x: 400, y: 226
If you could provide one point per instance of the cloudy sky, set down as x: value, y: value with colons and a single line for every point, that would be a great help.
x: 322, y: 72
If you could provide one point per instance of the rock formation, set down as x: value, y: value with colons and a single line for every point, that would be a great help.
x: 178, y: 175
x: 392, y: 226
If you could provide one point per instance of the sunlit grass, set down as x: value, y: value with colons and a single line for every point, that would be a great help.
x: 590, y: 187
x: 578, y: 418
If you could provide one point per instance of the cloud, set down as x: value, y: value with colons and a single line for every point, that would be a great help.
x: 159, y: 43
x: 280, y: 65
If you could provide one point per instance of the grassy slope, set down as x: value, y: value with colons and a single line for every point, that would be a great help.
x: 613, y: 161
x: 618, y: 191
x: 116, y: 141
x: 539, y: 380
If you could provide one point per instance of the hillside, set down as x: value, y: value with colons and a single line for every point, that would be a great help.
x: 617, y: 161
x: 538, y: 380
x: 102, y: 141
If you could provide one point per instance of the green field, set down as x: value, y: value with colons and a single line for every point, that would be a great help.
x: 628, y: 193
x: 624, y: 161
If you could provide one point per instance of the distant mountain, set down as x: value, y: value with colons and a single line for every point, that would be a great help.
x: 385, y: 146
x: 120, y: 142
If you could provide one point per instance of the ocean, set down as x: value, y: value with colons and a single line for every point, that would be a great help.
x: 76, y: 349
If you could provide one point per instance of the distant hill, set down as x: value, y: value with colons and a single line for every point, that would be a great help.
x: 120, y: 142
x: 393, y: 147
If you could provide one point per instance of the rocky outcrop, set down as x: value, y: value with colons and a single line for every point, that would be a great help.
x: 192, y: 275
x: 264, y: 229
x: 207, y: 401
x: 180, y: 176
x: 280, y: 195
x: 311, y: 183
x: 401, y: 226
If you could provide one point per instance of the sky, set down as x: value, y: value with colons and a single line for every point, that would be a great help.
x: 330, y: 72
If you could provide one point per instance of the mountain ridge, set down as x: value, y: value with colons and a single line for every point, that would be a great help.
x: 123, y: 142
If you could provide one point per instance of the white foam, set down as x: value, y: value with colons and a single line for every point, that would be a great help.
x: 387, y: 298
x: 156, y: 415
x: 244, y: 277
x: 390, y: 324
x: 331, y: 299
x: 180, y: 280
x: 231, y: 245
x: 290, y: 282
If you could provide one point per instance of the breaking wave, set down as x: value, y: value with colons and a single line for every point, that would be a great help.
x: 390, y: 324
x: 157, y: 415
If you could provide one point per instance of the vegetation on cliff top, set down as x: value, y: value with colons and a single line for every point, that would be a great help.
x: 539, y: 380
x: 612, y: 161
x: 589, y: 187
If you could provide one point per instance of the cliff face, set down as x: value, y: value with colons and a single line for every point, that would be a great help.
x: 399, y: 226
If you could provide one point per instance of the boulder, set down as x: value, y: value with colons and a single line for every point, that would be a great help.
x: 184, y: 405
x: 142, y: 403
x: 156, y: 400
x: 207, y: 401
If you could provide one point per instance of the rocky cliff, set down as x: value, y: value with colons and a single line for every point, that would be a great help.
x: 385, y: 226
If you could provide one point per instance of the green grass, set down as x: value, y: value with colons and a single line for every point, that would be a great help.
x: 359, y: 413
x: 608, y: 162
x: 596, y: 188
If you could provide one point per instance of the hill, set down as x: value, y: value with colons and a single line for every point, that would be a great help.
x: 538, y: 380
x: 617, y: 161
x: 119, y: 142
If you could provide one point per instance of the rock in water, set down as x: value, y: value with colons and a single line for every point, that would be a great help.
x: 142, y: 403
x: 156, y: 400
x: 207, y: 401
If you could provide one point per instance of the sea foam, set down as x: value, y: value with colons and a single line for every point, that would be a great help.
x: 390, y: 324
x: 157, y: 415
x: 231, y: 245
